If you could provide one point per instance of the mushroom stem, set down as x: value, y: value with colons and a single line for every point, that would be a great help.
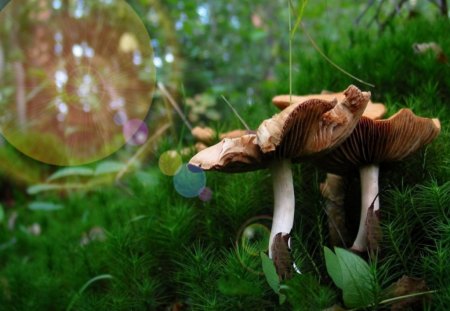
x: 369, y: 194
x: 284, y: 199
x: 333, y: 191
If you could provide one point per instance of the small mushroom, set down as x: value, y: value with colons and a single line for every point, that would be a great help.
x: 298, y: 132
x: 203, y: 134
x: 371, y: 143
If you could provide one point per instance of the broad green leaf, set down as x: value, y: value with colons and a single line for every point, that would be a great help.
x: 270, y: 273
x: 109, y: 167
x: 357, y: 280
x: 333, y: 267
x: 2, y: 213
x: 44, y: 206
x: 70, y: 172
x: 41, y: 188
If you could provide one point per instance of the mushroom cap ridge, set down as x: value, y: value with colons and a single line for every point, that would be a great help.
x: 312, y: 127
x: 376, y: 141
x: 373, y: 110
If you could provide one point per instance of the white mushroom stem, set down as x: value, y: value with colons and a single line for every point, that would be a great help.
x: 284, y: 199
x: 369, y: 194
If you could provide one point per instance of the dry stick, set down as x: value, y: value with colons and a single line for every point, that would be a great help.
x: 141, y: 150
x: 236, y: 113
x: 316, y: 47
x: 174, y: 104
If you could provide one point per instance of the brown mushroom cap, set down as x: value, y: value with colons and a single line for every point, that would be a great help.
x: 235, y: 134
x: 203, y: 134
x: 373, y: 110
x: 313, y: 126
x: 376, y: 141
x: 231, y: 155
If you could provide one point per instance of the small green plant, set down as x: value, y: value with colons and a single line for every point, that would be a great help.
x: 358, y: 281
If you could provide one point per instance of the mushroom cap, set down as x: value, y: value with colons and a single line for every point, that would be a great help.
x: 373, y: 110
x: 235, y: 134
x: 313, y: 126
x: 376, y: 141
x: 231, y: 155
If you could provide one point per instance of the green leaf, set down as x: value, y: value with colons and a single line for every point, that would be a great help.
x: 270, y: 273
x: 333, y: 267
x: 41, y: 188
x: 44, y: 206
x: 357, y: 280
x: 282, y: 298
x: 109, y: 167
x: 2, y: 213
x: 71, y: 171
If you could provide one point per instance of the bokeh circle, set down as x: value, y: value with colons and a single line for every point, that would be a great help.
x: 73, y: 74
x: 170, y: 162
x: 255, y: 239
x: 189, y: 181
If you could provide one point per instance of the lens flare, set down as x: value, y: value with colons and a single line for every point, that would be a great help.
x: 206, y: 194
x: 170, y: 162
x: 251, y: 239
x: 135, y: 132
x: 73, y: 78
x: 255, y: 239
x: 189, y: 181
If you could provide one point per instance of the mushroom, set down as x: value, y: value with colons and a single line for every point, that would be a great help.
x: 371, y: 143
x: 333, y: 189
x: 298, y: 132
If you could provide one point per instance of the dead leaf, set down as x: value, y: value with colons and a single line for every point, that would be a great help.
x: 422, y: 48
x: 334, y: 308
x: 281, y: 255
x: 374, y: 234
x: 405, y: 286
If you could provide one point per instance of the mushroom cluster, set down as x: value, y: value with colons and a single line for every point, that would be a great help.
x: 297, y: 133
x: 330, y: 130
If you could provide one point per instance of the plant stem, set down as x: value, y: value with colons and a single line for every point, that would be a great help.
x: 290, y: 53
x: 395, y: 299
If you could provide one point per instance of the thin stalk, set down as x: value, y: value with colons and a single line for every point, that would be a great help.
x: 316, y: 47
x: 290, y: 54
x: 395, y: 299
x: 236, y: 113
x: 174, y: 104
